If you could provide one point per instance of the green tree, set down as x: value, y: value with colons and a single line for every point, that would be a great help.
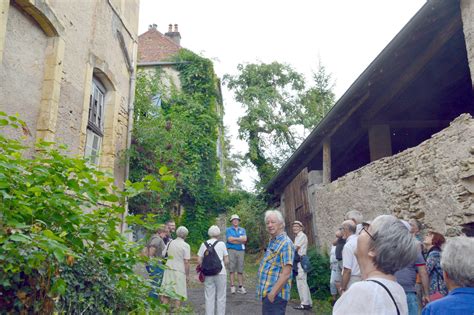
x: 269, y: 94
x: 60, y: 247
x: 232, y: 165
x: 318, y: 100
x: 277, y: 110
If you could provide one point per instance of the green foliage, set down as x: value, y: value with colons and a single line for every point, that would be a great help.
x: 59, y: 238
x: 182, y: 135
x: 318, y: 100
x: 319, y: 275
x: 277, y: 109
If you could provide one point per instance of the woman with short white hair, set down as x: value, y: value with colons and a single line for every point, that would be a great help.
x: 215, y: 282
x: 176, y: 276
x: 384, y: 248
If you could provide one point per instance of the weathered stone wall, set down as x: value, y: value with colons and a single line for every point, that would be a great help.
x: 90, y: 35
x: 433, y: 182
x: 21, y: 74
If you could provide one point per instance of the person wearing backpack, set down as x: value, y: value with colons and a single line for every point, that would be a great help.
x: 212, y: 257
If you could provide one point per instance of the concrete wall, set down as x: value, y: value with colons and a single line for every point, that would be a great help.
x: 433, y: 182
x: 46, y: 75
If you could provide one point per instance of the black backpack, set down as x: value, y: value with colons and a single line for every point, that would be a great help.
x: 211, y: 263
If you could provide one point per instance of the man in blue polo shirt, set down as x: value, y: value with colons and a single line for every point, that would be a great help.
x: 236, y: 239
x: 457, y: 262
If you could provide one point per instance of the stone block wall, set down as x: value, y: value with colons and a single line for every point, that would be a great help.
x: 50, y: 52
x: 433, y: 182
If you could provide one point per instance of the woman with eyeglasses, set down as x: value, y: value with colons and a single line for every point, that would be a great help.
x: 382, y: 249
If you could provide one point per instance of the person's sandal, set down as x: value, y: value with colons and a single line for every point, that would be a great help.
x: 299, y: 307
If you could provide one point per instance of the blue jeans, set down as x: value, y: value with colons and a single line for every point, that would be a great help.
x: 412, y: 302
x: 156, y: 276
x: 278, y: 307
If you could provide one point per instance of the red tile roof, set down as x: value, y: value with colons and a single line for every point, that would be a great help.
x: 154, y: 46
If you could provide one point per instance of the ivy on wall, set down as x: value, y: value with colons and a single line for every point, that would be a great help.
x: 180, y: 133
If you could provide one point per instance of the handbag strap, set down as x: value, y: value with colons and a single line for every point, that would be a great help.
x: 389, y: 293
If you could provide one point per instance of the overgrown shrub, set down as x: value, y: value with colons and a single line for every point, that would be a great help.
x: 58, y: 234
x: 319, y: 275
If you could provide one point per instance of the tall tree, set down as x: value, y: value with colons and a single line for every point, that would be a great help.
x: 269, y: 94
x: 318, y: 100
x: 277, y: 110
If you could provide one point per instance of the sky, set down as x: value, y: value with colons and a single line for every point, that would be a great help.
x: 346, y: 35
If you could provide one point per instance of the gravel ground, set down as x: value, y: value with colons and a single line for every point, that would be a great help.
x: 236, y: 303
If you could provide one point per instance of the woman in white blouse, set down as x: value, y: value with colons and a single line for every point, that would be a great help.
x: 176, y: 275
x: 384, y: 248
x: 215, y: 286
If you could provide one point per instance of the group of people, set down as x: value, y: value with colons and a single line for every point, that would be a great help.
x: 384, y: 266
x: 173, y: 279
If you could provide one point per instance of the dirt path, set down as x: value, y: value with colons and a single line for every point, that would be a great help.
x: 236, y: 303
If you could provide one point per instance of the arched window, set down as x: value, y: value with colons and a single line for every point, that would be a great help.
x: 95, y: 122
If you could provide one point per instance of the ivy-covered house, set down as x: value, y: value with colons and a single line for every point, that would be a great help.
x: 179, y: 117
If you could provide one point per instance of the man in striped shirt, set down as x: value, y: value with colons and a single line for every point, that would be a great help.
x: 274, y: 273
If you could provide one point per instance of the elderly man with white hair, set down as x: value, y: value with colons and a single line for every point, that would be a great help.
x: 457, y: 261
x: 176, y: 276
x: 274, y: 273
x: 350, y: 266
x: 356, y: 217
x: 215, y: 285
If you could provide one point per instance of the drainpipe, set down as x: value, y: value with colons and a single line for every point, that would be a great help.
x: 131, y: 100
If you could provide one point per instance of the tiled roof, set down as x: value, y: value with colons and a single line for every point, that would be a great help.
x: 154, y: 47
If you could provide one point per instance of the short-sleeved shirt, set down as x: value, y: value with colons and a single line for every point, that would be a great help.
x: 301, y: 240
x: 367, y: 297
x: 406, y: 277
x: 233, y: 232
x: 220, y: 249
x: 280, y: 252
x: 349, y: 260
x: 178, y: 251
x: 157, y: 243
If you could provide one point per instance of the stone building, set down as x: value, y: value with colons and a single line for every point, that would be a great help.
x: 67, y: 68
x: 401, y: 138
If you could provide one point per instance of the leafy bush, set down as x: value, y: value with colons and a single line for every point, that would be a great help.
x: 319, y: 275
x: 58, y: 234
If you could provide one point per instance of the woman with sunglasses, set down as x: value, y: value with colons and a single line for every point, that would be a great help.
x: 384, y: 248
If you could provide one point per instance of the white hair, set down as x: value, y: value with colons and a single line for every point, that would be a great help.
x: 393, y: 244
x: 278, y: 215
x: 457, y: 260
x: 214, y: 231
x: 355, y: 216
x: 182, y: 232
